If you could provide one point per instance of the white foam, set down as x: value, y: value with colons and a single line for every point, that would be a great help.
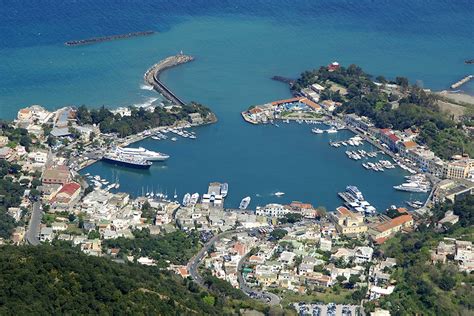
x: 146, y: 87
x: 145, y: 104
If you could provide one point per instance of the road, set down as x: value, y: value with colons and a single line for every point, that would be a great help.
x: 32, y: 233
x: 267, y: 297
x: 194, y: 263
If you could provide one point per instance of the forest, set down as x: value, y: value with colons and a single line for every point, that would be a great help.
x: 139, y: 120
x: 60, y: 280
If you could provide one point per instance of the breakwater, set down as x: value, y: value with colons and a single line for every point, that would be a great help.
x: 284, y: 80
x: 94, y: 40
x: 461, y: 82
x: 152, y: 76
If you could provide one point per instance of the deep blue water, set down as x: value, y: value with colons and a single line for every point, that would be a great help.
x: 238, y: 46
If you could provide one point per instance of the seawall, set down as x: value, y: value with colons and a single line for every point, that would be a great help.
x: 152, y: 76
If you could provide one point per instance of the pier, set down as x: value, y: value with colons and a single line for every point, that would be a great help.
x: 284, y: 80
x: 152, y: 76
x: 461, y: 82
x: 95, y: 40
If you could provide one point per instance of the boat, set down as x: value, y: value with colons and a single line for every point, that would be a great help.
x: 354, y: 191
x: 127, y: 160
x: 194, y: 199
x: 244, y: 203
x: 224, y: 189
x: 279, y: 193
x: 174, y: 139
x: 186, y: 199
x: 411, y: 187
x: 332, y: 130
x: 317, y: 131
x: 143, y: 153
x: 175, y: 196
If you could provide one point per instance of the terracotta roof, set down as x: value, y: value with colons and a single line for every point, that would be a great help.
x: 393, y: 138
x: 397, y: 221
x: 311, y: 104
x: 69, y: 188
x: 409, y: 144
x: 286, y: 101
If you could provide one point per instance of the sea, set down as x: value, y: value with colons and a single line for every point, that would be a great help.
x: 238, y: 45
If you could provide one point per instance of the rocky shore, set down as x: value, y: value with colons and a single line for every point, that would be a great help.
x: 107, y: 38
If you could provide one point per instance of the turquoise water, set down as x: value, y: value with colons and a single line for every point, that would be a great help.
x: 238, y: 46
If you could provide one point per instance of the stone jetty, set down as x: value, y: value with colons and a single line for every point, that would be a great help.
x: 152, y: 76
x: 461, y: 82
x: 94, y: 40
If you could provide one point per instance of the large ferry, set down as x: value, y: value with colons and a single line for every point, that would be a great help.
x: 127, y: 160
x: 143, y: 153
x: 354, y: 191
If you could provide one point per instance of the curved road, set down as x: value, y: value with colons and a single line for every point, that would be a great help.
x: 195, y: 261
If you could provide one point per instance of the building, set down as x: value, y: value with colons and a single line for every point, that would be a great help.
x: 459, y: 168
x: 68, y: 194
x: 360, y: 122
x: 333, y: 66
x: 196, y: 118
x: 46, y: 234
x: 348, y: 222
x: 56, y: 175
x: 3, y: 141
x: 381, y: 231
x: 5, y: 153
x: 453, y: 190
x: 273, y: 210
x: 388, y: 137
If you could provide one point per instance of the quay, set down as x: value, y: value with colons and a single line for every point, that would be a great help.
x: 461, y: 82
x: 152, y: 76
x: 94, y: 40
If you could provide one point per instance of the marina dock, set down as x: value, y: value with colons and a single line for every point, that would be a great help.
x: 461, y: 82
x: 94, y: 40
x: 152, y: 76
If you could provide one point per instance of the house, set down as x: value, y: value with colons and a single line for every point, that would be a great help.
x: 3, y: 141
x: 38, y: 157
x: 56, y: 175
x: 5, y: 153
x: 333, y: 66
x: 46, y: 234
x: 15, y: 212
x: 381, y: 231
x: 287, y: 257
x: 375, y: 292
x: 363, y: 254
x: 449, y: 218
x: 196, y: 118
x: 59, y: 227
x: 388, y: 137
x: 348, y: 222
x: 325, y: 244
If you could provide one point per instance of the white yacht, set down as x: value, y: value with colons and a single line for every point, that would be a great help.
x: 244, y: 203
x: 143, y: 153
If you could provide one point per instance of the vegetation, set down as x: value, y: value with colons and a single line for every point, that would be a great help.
x: 139, y: 120
x: 11, y: 193
x: 176, y: 247
x: 60, y: 280
x: 413, y: 107
x: 423, y: 288
x: 16, y: 136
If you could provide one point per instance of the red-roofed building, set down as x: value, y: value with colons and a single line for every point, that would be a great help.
x: 388, y: 137
x: 381, y: 231
x: 67, y: 195
x: 333, y: 66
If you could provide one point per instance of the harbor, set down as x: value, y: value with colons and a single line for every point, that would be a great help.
x: 253, y: 174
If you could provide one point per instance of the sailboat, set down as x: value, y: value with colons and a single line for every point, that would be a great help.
x: 175, y: 196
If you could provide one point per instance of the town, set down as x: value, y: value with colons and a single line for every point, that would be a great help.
x: 317, y: 261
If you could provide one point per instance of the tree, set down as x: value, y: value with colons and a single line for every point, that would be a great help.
x: 278, y: 233
x: 341, y: 278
